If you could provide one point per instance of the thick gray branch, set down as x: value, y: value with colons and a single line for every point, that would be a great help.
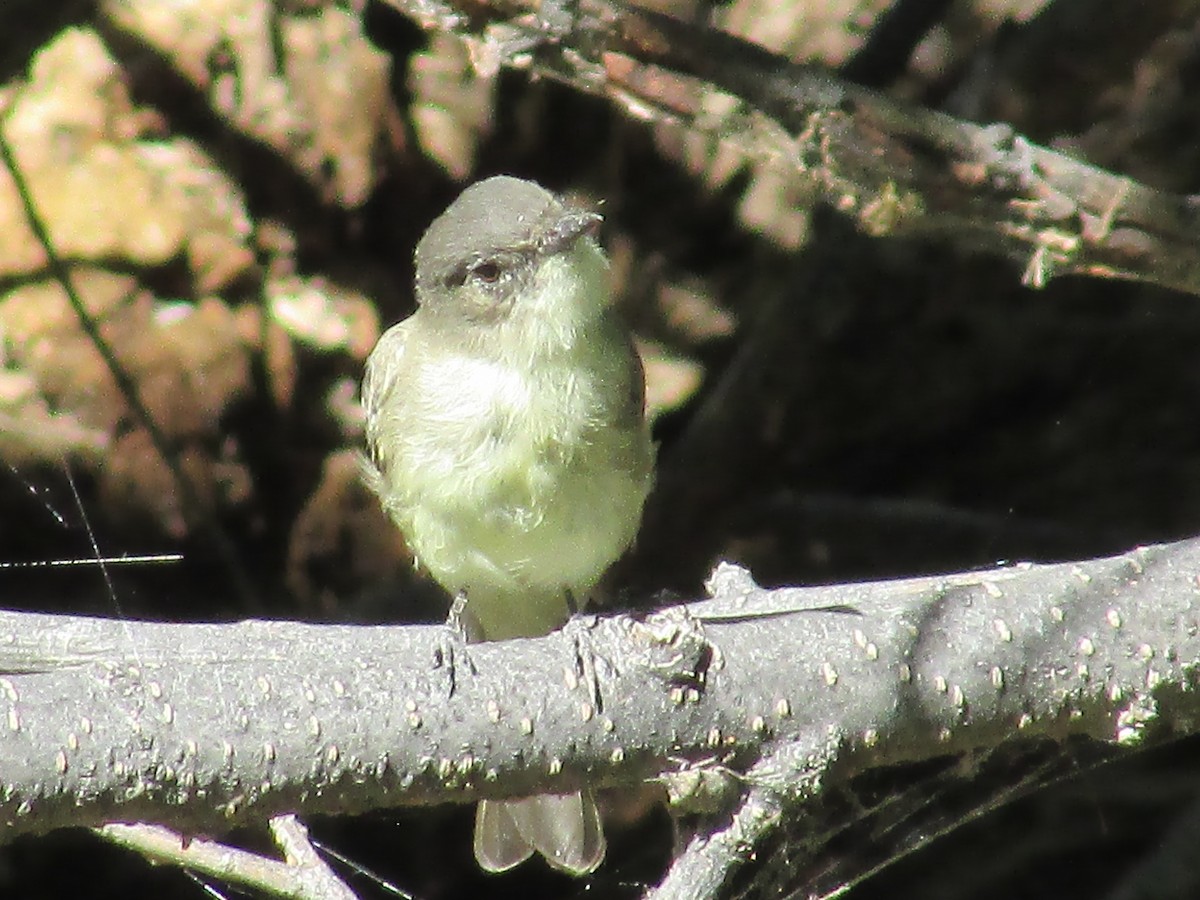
x: 203, y: 726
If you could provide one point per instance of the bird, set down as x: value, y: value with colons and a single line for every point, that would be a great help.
x: 507, y: 438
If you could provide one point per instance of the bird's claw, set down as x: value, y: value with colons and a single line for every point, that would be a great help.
x: 451, y: 650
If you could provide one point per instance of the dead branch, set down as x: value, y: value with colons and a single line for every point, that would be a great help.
x: 203, y: 727
x: 896, y: 168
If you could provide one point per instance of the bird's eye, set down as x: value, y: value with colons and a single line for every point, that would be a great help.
x: 487, y: 271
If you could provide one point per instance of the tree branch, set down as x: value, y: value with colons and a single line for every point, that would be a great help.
x: 896, y: 168
x: 202, y: 727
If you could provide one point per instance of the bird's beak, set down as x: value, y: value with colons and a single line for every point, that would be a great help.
x: 563, y: 233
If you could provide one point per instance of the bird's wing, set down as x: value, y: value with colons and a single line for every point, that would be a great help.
x: 379, y: 380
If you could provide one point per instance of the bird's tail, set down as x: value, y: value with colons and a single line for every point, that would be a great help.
x: 564, y: 828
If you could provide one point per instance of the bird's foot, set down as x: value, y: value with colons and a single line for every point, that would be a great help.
x: 587, y: 661
x: 451, y: 650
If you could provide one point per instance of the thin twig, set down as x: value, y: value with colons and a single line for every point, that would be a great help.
x: 192, y: 507
x: 304, y: 875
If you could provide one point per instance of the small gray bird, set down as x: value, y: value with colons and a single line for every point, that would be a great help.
x: 508, y: 441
